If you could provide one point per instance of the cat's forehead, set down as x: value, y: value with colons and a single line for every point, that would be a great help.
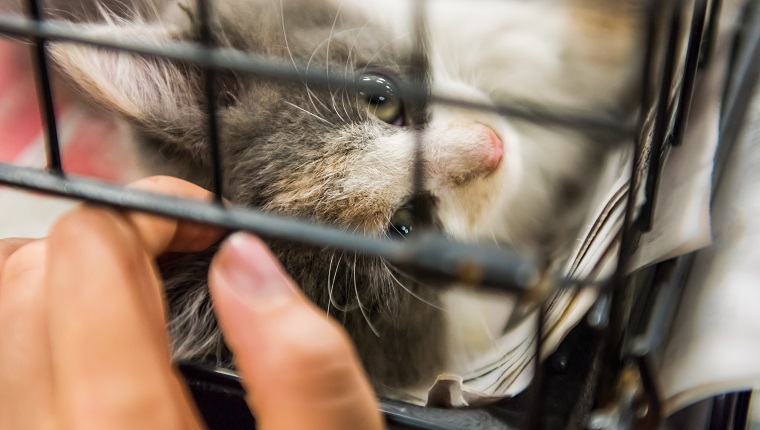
x: 314, y: 32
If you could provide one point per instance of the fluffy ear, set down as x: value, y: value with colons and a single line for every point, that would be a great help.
x: 159, y: 96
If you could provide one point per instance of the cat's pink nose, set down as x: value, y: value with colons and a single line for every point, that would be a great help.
x: 496, y: 151
x: 460, y: 152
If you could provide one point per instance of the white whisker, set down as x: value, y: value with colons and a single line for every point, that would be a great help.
x: 361, y: 308
x: 390, y: 272
x: 285, y: 36
x: 310, y: 113
x: 309, y: 92
x: 348, y: 57
x: 331, y: 286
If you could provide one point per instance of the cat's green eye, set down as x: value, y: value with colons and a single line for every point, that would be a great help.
x: 381, y: 96
x: 415, y: 215
x: 402, y: 223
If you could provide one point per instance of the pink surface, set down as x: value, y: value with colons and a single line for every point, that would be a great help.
x: 91, y: 145
x: 19, y: 114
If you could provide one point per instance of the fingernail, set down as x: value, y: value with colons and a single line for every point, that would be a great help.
x: 245, y: 265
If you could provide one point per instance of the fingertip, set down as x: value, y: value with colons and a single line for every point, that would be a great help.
x: 303, y: 371
x: 159, y: 234
x: 299, y: 366
x: 246, y: 268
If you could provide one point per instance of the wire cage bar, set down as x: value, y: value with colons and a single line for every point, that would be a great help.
x: 429, y: 256
x: 209, y: 84
x: 45, y: 94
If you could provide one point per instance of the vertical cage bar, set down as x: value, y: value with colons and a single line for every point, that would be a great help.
x: 418, y: 111
x: 690, y: 69
x: 535, y: 411
x: 722, y: 414
x: 45, y: 94
x: 741, y: 410
x: 662, y: 123
x: 209, y: 87
x: 628, y: 231
x: 613, y: 330
x: 711, y: 32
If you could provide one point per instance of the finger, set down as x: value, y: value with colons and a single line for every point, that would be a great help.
x: 25, y: 370
x: 9, y: 246
x: 110, y: 356
x: 298, y: 367
x: 160, y: 234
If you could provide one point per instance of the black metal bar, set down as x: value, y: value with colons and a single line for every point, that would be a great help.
x: 227, y: 408
x: 209, y: 78
x: 230, y: 59
x: 45, y: 94
x: 711, y: 33
x: 656, y: 307
x: 661, y: 125
x: 741, y: 410
x: 722, y: 416
x: 649, y: 383
x: 535, y: 408
x: 615, y: 322
x: 690, y: 70
x: 499, y: 269
x: 629, y: 231
x: 420, y: 70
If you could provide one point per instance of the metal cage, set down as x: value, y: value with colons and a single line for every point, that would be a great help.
x: 589, y: 365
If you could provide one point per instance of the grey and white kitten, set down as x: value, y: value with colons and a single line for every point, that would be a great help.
x: 346, y: 159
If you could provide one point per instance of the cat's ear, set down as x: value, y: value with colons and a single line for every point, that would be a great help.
x: 160, y: 96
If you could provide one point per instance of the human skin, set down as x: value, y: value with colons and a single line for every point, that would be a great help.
x: 83, y: 343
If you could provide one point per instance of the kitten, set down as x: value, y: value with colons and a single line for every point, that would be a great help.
x: 346, y: 159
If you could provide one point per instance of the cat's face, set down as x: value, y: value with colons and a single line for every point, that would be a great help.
x: 347, y: 158
x: 344, y: 158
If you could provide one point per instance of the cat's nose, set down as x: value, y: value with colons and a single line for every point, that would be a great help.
x: 495, y: 150
x: 483, y: 150
x: 459, y: 152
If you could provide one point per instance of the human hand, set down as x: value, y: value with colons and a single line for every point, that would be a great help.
x: 83, y: 341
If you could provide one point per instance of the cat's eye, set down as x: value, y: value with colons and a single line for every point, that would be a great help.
x: 415, y: 215
x: 402, y: 222
x: 382, y: 99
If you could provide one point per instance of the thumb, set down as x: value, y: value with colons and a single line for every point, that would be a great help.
x: 299, y: 368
